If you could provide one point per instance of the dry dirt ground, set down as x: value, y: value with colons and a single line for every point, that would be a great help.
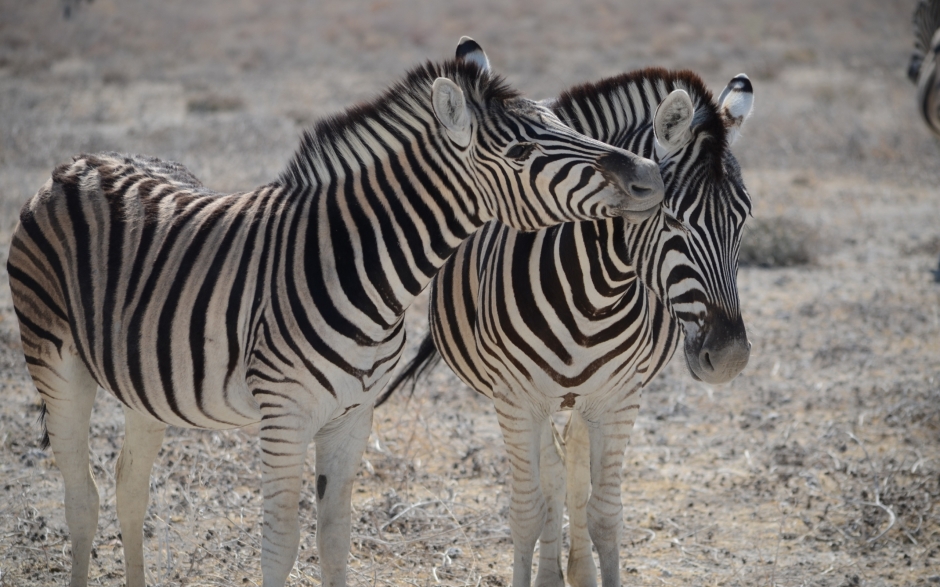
x: 819, y: 465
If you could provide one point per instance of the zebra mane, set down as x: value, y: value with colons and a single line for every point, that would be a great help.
x: 662, y: 81
x: 412, y: 95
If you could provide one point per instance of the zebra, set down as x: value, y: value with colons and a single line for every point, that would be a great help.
x: 283, y: 305
x: 581, y: 316
x: 924, y: 67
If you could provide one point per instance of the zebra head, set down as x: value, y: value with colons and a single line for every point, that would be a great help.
x: 532, y: 171
x: 698, y: 235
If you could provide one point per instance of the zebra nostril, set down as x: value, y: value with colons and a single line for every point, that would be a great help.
x: 707, y: 361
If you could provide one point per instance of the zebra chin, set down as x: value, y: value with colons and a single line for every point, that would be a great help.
x: 718, y: 351
x: 637, y: 216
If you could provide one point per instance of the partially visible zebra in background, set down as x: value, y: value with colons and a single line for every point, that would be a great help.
x: 924, y: 67
x: 281, y: 305
x: 581, y: 316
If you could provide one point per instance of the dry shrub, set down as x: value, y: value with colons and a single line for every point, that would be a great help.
x: 212, y: 103
x: 887, y: 499
x: 931, y: 247
x: 777, y: 242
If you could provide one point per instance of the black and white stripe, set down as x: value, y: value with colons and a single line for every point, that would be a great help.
x: 924, y: 68
x: 282, y: 305
x: 581, y: 316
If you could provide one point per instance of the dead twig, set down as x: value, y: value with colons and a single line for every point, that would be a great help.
x: 877, y: 491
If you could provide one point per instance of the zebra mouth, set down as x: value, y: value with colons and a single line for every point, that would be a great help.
x: 718, y: 353
x: 638, y: 183
x: 688, y: 363
x: 638, y: 215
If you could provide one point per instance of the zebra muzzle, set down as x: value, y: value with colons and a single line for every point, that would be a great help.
x: 639, y: 182
x: 719, y: 351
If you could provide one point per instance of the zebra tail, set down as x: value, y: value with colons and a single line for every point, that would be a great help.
x: 426, y: 358
x: 45, y: 443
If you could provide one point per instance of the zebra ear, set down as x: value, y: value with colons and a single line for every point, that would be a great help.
x: 673, y: 121
x: 470, y: 50
x: 450, y: 107
x: 735, y: 104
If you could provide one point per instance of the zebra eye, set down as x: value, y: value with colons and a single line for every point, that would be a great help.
x: 674, y: 223
x: 520, y: 151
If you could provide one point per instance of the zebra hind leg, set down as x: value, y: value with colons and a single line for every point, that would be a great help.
x: 68, y: 390
x: 142, y: 439
x: 552, y: 478
x: 340, y: 445
x: 582, y: 572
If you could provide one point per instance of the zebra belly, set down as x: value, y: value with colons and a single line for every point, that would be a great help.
x: 179, y: 374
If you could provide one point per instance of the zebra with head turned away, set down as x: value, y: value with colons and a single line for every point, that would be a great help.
x: 281, y: 305
x: 924, y: 68
x: 581, y: 316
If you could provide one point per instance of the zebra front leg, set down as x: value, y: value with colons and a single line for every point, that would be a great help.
x: 68, y: 390
x: 521, y: 433
x: 142, y: 439
x: 582, y: 572
x: 284, y: 440
x: 605, y: 507
x: 552, y: 478
x: 340, y: 445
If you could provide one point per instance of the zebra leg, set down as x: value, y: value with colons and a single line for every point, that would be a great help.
x: 605, y: 507
x: 340, y: 445
x: 142, y: 439
x: 68, y: 390
x: 552, y: 478
x: 582, y: 572
x: 527, y: 510
x: 284, y: 441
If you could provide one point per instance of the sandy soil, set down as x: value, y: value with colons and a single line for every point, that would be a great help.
x: 819, y: 465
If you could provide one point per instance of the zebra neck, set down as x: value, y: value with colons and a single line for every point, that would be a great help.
x: 612, y: 113
x: 601, y: 254
x: 645, y: 249
x: 382, y: 214
x: 632, y: 247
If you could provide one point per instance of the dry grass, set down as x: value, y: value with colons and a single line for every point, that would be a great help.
x: 778, y: 242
